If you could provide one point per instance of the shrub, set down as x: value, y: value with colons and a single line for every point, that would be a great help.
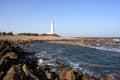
x: 29, y: 34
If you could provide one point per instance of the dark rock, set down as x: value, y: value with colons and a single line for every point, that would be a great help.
x: 6, y: 61
x: 5, y: 46
x: 15, y: 73
x: 58, y: 63
x: 28, y: 72
x: 15, y: 66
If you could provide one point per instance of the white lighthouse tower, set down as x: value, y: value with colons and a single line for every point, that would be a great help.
x: 52, y: 27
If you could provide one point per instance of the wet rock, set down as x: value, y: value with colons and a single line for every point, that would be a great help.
x: 58, y: 63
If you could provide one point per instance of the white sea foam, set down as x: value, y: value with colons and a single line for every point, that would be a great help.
x: 106, y: 49
x: 40, y: 61
x: 74, y: 65
x: 111, y: 75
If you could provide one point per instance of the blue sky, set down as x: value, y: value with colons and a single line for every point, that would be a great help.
x: 74, y: 18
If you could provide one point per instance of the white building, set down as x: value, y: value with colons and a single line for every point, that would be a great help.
x: 52, y: 28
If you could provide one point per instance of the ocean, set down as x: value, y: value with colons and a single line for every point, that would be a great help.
x: 94, y: 61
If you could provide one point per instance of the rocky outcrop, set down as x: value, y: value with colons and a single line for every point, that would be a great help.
x: 15, y: 66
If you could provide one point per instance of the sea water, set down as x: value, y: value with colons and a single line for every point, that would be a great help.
x: 94, y: 61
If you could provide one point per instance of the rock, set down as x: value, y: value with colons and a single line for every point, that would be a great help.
x: 29, y: 72
x: 58, y: 63
x: 47, y: 70
x: 11, y: 55
x: 85, y: 77
x: 6, y: 61
x: 48, y: 74
x: 15, y: 73
x: 108, y: 78
x: 69, y: 74
x: 14, y: 65
x: 40, y: 73
x: 51, y: 75
x: 6, y: 46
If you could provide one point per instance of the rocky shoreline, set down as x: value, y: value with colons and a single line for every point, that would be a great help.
x: 15, y: 65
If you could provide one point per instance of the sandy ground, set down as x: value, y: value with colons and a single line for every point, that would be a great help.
x: 23, y: 37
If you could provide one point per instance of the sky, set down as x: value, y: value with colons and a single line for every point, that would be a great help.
x: 73, y: 18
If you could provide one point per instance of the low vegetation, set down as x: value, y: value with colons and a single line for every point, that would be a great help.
x: 6, y: 33
x: 29, y: 34
x: 49, y: 35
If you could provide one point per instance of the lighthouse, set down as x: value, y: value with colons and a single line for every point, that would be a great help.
x: 52, y: 30
x: 52, y: 27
